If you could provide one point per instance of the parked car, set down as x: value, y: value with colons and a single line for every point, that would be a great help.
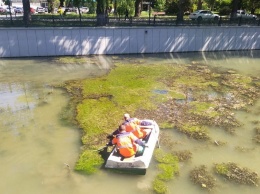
x: 70, y: 10
x: 243, y: 14
x: 204, y: 15
x: 84, y: 9
x: 40, y: 10
x: 2, y: 10
x: 9, y: 10
x: 32, y: 10
x: 18, y: 10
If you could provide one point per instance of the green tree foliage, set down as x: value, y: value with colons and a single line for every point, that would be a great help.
x: 171, y: 7
x: 91, y: 4
x: 123, y: 5
x: 211, y: 4
x: 52, y: 4
x: 160, y: 5
x: 253, y: 5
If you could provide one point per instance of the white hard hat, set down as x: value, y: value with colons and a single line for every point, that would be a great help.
x: 126, y: 115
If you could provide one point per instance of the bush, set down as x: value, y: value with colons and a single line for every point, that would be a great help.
x: 225, y: 10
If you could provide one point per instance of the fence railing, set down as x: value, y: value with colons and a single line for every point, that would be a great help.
x: 49, y: 20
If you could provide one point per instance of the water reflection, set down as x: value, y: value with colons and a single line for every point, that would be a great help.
x: 38, y: 151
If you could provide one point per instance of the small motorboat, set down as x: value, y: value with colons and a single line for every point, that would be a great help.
x: 136, y: 164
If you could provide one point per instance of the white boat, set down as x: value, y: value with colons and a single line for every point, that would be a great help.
x: 136, y: 164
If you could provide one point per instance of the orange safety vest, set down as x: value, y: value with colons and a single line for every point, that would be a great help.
x: 125, y: 144
x: 135, y: 129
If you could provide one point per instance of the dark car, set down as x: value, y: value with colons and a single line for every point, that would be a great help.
x: 18, y: 10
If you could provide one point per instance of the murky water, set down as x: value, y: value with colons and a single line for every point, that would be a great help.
x: 38, y: 151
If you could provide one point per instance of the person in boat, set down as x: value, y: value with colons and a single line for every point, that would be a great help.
x: 133, y: 125
x: 127, y: 144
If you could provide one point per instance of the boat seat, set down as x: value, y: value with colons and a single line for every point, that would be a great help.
x: 146, y: 138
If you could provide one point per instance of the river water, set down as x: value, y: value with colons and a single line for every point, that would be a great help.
x: 38, y: 151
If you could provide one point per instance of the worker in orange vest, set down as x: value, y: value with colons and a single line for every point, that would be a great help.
x: 127, y: 144
x: 132, y: 125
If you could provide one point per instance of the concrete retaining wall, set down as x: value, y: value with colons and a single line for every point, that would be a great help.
x: 25, y: 42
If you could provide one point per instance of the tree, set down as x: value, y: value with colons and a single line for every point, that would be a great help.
x: 253, y: 5
x: 138, y: 8
x: 160, y: 5
x: 102, y: 15
x: 50, y: 6
x: 183, y: 5
x: 125, y: 6
x: 91, y: 4
x: 78, y: 3
x: 211, y: 4
x: 234, y: 5
x: 171, y: 7
x: 199, y: 4
x: 26, y: 12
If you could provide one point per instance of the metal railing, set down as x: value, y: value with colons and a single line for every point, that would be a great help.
x: 48, y: 20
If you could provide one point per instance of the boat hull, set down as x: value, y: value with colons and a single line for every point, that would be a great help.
x: 115, y: 161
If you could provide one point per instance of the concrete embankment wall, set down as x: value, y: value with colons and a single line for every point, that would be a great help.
x: 25, y: 42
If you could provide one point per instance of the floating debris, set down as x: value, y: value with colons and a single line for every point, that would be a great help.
x: 201, y: 176
x: 219, y: 143
x: 233, y: 172
x: 183, y: 155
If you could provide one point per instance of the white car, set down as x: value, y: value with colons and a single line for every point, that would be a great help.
x: 40, y: 10
x: 84, y: 9
x: 243, y: 14
x: 204, y: 15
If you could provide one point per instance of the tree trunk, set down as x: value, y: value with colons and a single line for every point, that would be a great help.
x: 115, y: 7
x: 181, y: 10
x: 199, y: 5
x: 137, y: 8
x: 50, y: 6
x: 234, y: 4
x: 102, y: 17
x: 26, y: 13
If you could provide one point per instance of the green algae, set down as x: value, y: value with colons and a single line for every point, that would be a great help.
x: 204, y: 109
x: 160, y: 186
x: 71, y: 60
x: 168, y: 167
x: 231, y: 171
x: 164, y: 157
x: 194, y: 131
x: 88, y: 162
x: 167, y: 172
x: 178, y: 97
